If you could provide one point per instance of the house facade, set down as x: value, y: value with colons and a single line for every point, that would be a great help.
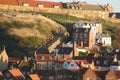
x: 113, y: 75
x: 84, y: 34
x: 45, y: 61
x: 3, y: 60
x: 104, y: 39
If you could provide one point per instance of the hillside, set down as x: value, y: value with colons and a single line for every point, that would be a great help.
x: 25, y: 32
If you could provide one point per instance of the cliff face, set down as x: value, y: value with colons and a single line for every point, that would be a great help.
x: 23, y: 32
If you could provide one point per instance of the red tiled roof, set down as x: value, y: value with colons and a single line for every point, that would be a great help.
x: 16, y: 73
x: 31, y: 3
x: 34, y: 77
x: 13, y: 60
x: 9, y: 2
x: 49, y: 4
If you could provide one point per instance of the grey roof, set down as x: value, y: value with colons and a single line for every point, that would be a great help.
x: 85, y: 6
x: 79, y: 24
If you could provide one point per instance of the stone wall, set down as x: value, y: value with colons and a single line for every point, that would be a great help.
x: 113, y: 20
x: 90, y: 14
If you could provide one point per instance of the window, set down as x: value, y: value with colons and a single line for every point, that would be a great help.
x: 25, y: 4
x: 105, y: 62
x: 77, y: 29
x: 51, y: 78
x: 40, y: 5
x: 72, y: 64
x: 24, y: 73
x: 109, y: 79
x: 41, y: 76
x: 97, y: 62
x: 70, y: 76
x: 8, y: 75
x: 1, y: 58
x: 59, y: 76
x: 42, y: 58
x: 85, y: 35
x: 56, y: 6
x: 89, y: 78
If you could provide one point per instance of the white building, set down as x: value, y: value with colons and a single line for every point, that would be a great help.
x: 104, y: 39
x: 70, y: 65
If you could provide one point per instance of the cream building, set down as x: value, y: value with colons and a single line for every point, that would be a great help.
x: 3, y: 60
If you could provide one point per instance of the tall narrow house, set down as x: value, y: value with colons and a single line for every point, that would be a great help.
x: 84, y: 34
x: 3, y: 59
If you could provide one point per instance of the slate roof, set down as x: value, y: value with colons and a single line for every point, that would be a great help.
x: 65, y: 50
x: 85, y: 6
x: 117, y: 15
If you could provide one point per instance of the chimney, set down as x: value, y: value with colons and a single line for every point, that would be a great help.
x: 25, y: 58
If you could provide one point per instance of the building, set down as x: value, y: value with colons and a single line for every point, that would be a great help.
x: 33, y: 3
x: 114, y: 15
x: 3, y: 59
x: 70, y: 65
x: 113, y: 75
x: 13, y: 74
x: 45, y: 61
x: 85, y: 6
x: 84, y: 34
x: 104, y: 39
x: 78, y: 9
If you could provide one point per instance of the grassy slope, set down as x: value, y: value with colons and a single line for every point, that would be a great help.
x: 24, y: 33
